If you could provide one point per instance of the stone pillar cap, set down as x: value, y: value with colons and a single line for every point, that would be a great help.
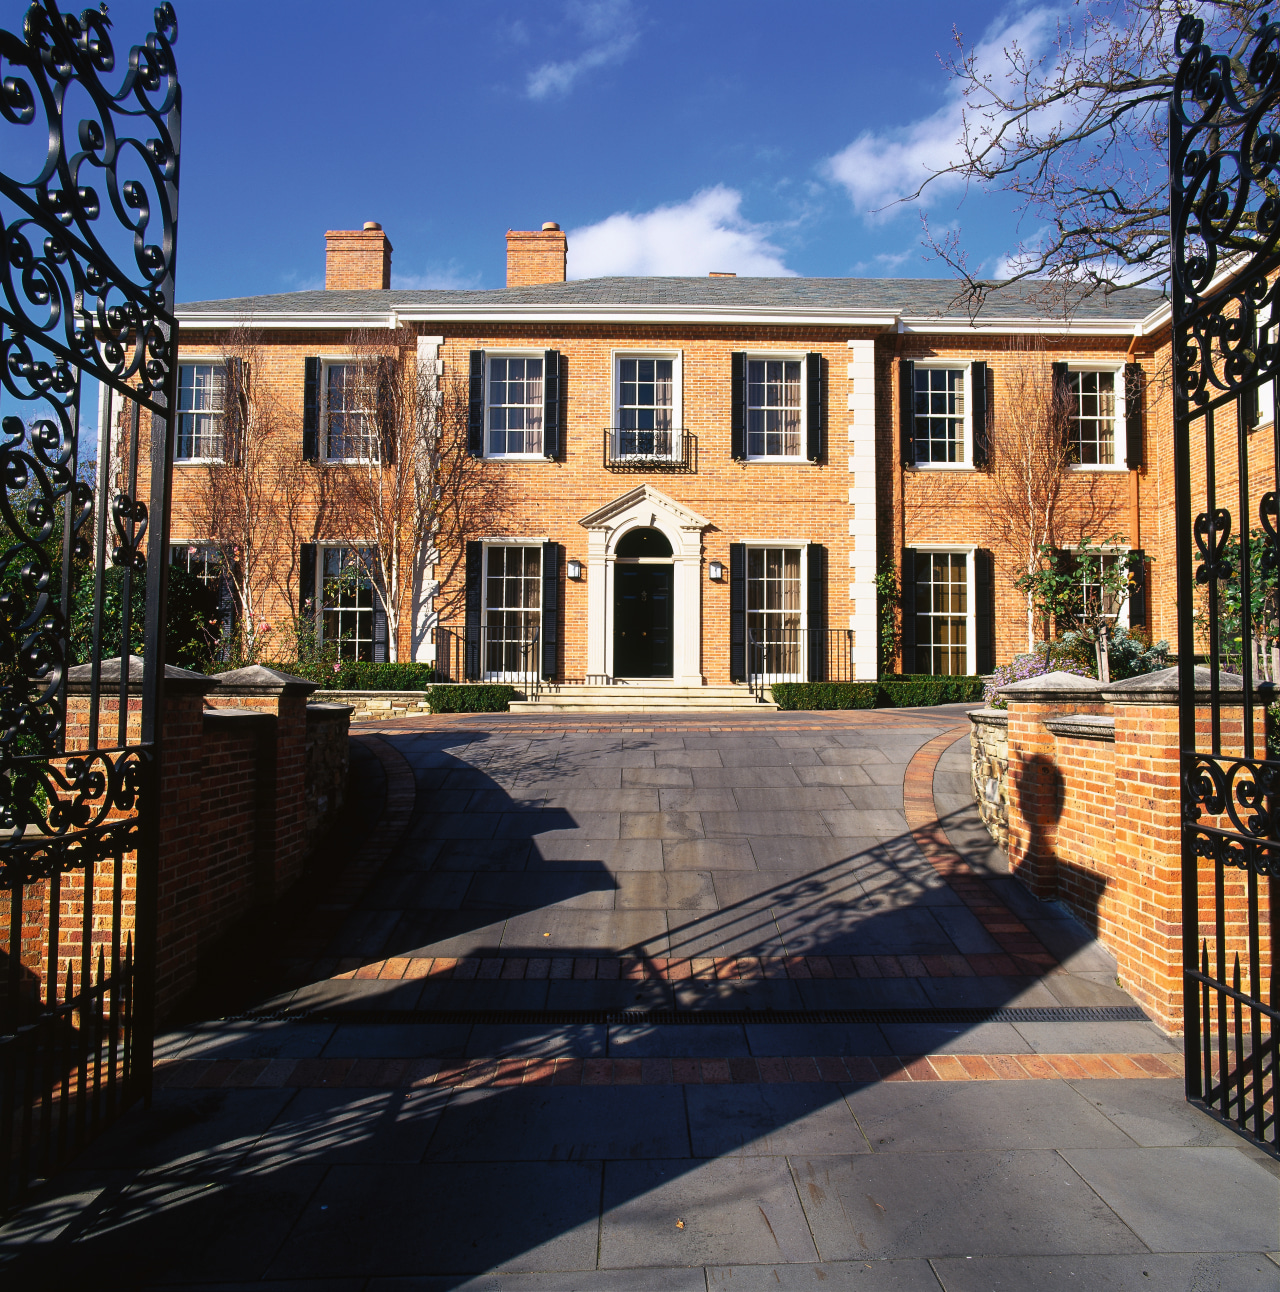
x: 80, y: 678
x: 1162, y: 687
x: 258, y: 679
x: 1050, y: 688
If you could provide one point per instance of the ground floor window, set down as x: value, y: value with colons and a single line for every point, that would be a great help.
x: 349, y: 601
x: 773, y: 610
x: 513, y: 607
x: 942, y: 612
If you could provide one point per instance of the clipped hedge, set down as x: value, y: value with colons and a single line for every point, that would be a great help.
x: 354, y: 674
x: 470, y: 697
x: 905, y: 692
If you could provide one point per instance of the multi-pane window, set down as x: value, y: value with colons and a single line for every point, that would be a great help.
x: 1095, y: 597
x: 645, y: 407
x: 201, y: 389
x: 201, y: 559
x: 350, y: 413
x: 773, y: 610
x: 1093, y: 423
x: 942, y: 612
x: 513, y: 601
x: 515, y: 406
x: 773, y: 408
x: 348, y: 598
x: 939, y: 428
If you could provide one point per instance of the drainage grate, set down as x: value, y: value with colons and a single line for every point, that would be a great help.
x: 668, y: 1017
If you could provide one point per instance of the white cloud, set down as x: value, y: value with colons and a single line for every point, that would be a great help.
x: 447, y: 277
x: 880, y: 167
x: 708, y: 232
x: 610, y: 30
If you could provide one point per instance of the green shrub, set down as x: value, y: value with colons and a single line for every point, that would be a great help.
x: 888, y: 693
x: 825, y: 695
x: 470, y: 697
x: 352, y: 674
x: 921, y: 690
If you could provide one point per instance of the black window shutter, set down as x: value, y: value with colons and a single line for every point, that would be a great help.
x: 474, y: 601
x: 1063, y: 400
x: 1133, y: 415
x: 978, y: 413
x: 235, y: 409
x: 311, y: 410
x: 551, y: 404
x: 984, y: 588
x: 379, y: 629
x: 737, y: 612
x: 816, y: 406
x: 307, y: 580
x: 908, y: 584
x: 475, y: 406
x: 226, y: 610
x: 387, y: 410
x: 550, y: 631
x: 738, y: 406
x: 1137, y: 588
x: 907, y: 410
x: 817, y: 561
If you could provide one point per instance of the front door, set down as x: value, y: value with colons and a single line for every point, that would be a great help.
x: 642, y: 621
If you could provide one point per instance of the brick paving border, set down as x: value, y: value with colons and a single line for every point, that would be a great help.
x: 1013, y: 937
x: 414, y: 1074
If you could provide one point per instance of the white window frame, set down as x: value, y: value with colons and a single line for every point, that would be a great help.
x: 965, y: 368
x: 489, y: 545
x: 321, y: 548
x: 969, y: 552
x: 515, y: 352
x: 789, y: 356
x: 1117, y: 466
x: 758, y: 544
x: 1121, y: 620
x: 328, y: 361
x: 193, y: 361
x: 677, y: 402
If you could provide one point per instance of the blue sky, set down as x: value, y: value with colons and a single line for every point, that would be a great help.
x: 666, y: 137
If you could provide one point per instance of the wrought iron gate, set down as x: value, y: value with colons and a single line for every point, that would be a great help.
x: 1225, y: 208
x: 88, y: 200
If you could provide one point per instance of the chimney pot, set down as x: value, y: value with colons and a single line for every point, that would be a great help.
x: 721, y: 273
x: 536, y: 256
x: 357, y: 259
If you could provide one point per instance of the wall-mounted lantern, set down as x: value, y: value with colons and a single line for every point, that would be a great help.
x: 716, y: 570
x: 575, y: 570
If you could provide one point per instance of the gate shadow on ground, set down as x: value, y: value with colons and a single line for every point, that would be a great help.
x: 223, y: 1186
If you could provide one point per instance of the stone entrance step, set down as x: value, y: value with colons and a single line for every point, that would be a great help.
x: 641, y: 697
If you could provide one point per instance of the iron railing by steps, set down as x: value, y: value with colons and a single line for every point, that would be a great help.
x: 503, y: 652
x: 785, y: 654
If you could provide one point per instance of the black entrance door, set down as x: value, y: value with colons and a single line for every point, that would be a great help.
x: 642, y: 621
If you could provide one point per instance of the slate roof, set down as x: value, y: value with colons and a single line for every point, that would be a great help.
x: 913, y: 297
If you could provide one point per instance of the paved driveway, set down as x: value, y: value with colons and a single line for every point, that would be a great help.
x: 523, y: 1047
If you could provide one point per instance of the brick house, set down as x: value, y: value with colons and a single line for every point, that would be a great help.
x: 705, y: 474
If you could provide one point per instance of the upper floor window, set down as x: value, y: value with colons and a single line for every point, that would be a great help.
x: 774, y: 408
x: 1093, y: 417
x: 350, y: 413
x: 515, y: 406
x: 201, y: 389
x: 646, y: 407
x: 940, y: 416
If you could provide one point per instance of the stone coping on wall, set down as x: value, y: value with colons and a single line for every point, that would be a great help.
x: 989, y: 717
x: 1162, y: 688
x: 80, y: 678
x: 258, y: 679
x: 323, y: 711
x: 1083, y: 726
x: 1054, y: 688
x: 233, y: 716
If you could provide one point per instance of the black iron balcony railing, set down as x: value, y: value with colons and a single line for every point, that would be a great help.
x: 785, y: 654
x: 668, y: 449
x: 490, y: 653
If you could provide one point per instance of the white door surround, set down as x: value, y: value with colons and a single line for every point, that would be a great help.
x: 645, y: 508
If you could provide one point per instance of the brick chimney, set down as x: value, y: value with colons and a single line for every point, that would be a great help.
x: 357, y: 259
x: 536, y: 257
